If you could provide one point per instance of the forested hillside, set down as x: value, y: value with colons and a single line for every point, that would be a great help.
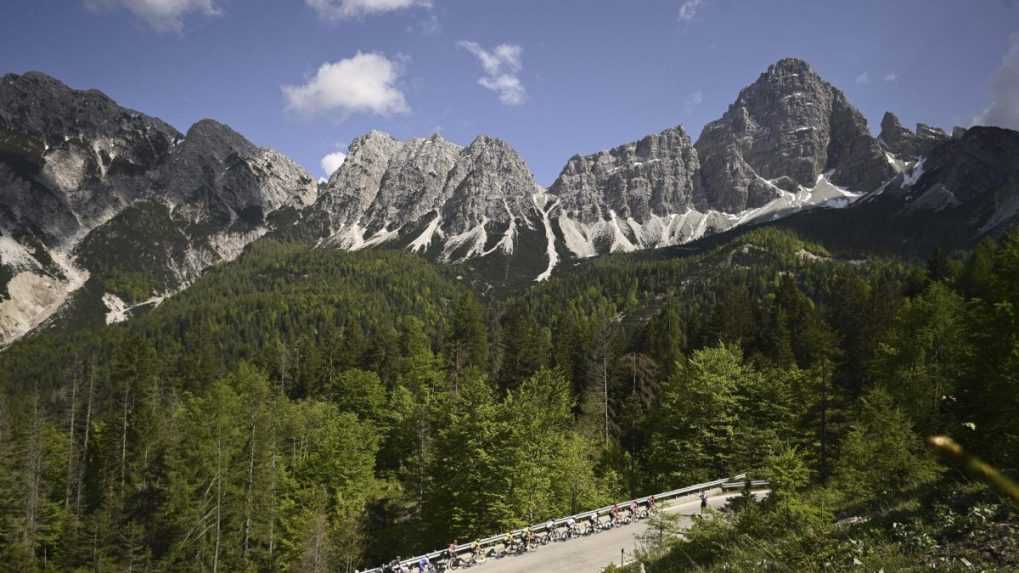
x: 312, y: 410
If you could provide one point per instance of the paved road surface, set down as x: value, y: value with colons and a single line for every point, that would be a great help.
x: 592, y: 554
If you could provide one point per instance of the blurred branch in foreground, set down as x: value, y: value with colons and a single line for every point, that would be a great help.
x: 948, y: 448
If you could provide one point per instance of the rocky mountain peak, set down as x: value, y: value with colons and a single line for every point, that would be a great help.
x: 788, y: 123
x: 906, y: 145
x: 789, y: 66
x: 489, y: 182
x: 69, y: 159
x: 890, y: 124
x: 37, y: 106
x: 87, y: 186
x: 216, y: 136
x: 412, y: 183
x: 651, y: 176
x: 430, y: 192
x: 216, y: 172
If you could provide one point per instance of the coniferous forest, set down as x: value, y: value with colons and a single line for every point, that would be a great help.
x: 315, y: 410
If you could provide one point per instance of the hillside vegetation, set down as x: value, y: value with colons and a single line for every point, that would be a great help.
x: 312, y: 410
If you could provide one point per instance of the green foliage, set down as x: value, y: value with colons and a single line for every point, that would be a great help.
x: 502, y: 464
x: 925, y: 356
x: 131, y: 287
x: 696, y: 429
x: 881, y: 454
x: 787, y: 473
x: 302, y: 409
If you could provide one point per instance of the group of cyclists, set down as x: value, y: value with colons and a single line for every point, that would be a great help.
x: 523, y: 541
x: 512, y: 543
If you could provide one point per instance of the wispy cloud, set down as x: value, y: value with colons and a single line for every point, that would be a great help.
x: 1003, y: 110
x: 863, y: 79
x: 347, y: 9
x: 427, y: 26
x: 502, y: 67
x: 891, y: 77
x: 162, y: 15
x: 688, y: 9
x: 365, y: 83
x: 692, y: 101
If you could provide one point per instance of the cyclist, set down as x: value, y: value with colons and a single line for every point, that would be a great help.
x: 592, y: 521
x: 528, y: 539
x: 477, y: 556
x: 424, y: 565
x: 633, y: 510
x: 507, y: 543
x: 704, y: 501
x: 550, y: 531
x: 614, y: 515
x: 651, y: 504
x: 571, y: 527
x: 451, y: 552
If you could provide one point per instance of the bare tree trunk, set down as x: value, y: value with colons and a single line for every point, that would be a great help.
x: 272, y: 465
x: 824, y: 423
x: 605, y: 389
x: 272, y: 498
x: 458, y: 367
x: 34, y: 466
x: 72, y: 448
x: 219, y: 498
x: 123, y: 439
x: 251, y: 484
x: 84, y: 445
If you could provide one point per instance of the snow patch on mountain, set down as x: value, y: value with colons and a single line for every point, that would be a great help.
x: 424, y: 240
x: 541, y: 201
x: 475, y: 238
x: 914, y: 174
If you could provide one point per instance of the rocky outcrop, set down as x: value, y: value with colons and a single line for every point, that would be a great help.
x: 653, y: 176
x: 908, y: 145
x: 489, y: 183
x: 443, y: 194
x: 71, y: 159
x: 89, y: 189
x: 978, y: 169
x: 789, y: 123
x: 414, y: 183
x: 216, y: 175
x: 790, y: 141
x: 352, y: 188
x: 76, y: 171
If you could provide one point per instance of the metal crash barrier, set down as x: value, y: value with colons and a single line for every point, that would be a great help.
x: 733, y: 483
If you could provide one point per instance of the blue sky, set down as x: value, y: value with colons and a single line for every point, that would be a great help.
x: 552, y: 77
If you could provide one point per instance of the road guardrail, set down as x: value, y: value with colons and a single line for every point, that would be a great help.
x: 735, y: 482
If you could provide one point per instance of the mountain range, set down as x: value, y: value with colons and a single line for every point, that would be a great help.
x: 105, y: 211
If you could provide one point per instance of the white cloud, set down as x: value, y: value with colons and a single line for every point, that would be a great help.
x: 689, y: 8
x: 163, y: 15
x: 891, y: 77
x: 346, y: 9
x: 863, y: 79
x: 365, y: 83
x: 332, y: 161
x: 502, y: 67
x: 693, y: 100
x: 1004, y: 108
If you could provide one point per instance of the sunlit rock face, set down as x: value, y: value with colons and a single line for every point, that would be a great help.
x: 75, y: 168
